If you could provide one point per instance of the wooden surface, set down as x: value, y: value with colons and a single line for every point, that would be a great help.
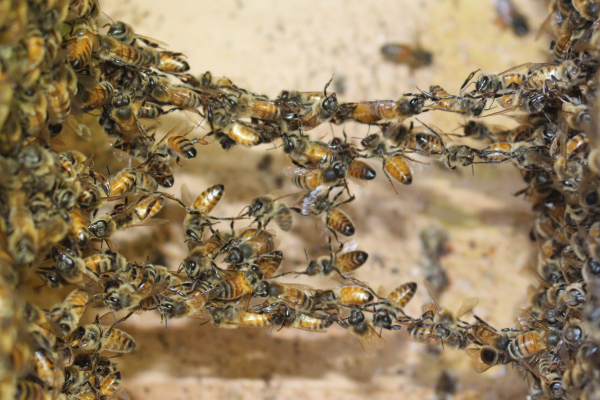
x: 267, y: 46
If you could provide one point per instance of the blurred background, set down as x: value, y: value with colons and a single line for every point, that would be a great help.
x: 267, y: 46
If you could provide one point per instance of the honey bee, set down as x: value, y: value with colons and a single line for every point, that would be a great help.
x: 319, y: 112
x: 267, y: 208
x: 65, y: 317
x: 318, y: 203
x: 466, y: 105
x: 347, y: 296
x: 27, y: 390
x: 130, y: 180
x: 492, y: 83
x: 97, y: 96
x: 180, y: 96
x: 370, y: 112
x: 294, y: 296
x: 193, y: 303
x: 400, y: 296
x: 573, y: 334
x: 252, y: 106
x: 22, y: 237
x: 587, y: 8
x: 38, y: 325
x: 138, y: 214
x: 521, y: 102
x: 337, y: 265
x: 305, y: 151
x: 167, y: 61
x: 562, y: 76
x: 328, y: 175
x: 125, y: 115
x: 195, y: 222
x: 269, y: 264
x: 81, y: 45
x: 175, y: 145
x: 107, y: 389
x: 147, y: 109
x: 362, y: 328
x: 242, y: 133
x: 250, y: 245
x: 121, y: 54
x: 314, y: 322
x: 47, y: 370
x: 238, y: 285
x: 78, y: 233
x: 576, y: 115
x: 125, y: 34
x: 144, y: 282
x: 485, y: 357
x: 201, y: 256
x: 510, y: 16
x: 533, y: 341
x: 58, y: 96
x: 394, y: 163
x: 414, y: 57
x: 33, y: 112
x: 95, y: 337
x: 106, y: 262
x: 562, y: 47
x: 361, y: 170
x: 83, y: 9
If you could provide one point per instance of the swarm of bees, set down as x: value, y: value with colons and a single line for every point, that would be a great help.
x: 52, y: 204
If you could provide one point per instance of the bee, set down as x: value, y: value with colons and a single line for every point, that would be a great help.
x: 319, y: 112
x: 576, y: 145
x: 58, y: 96
x: 71, y: 267
x: 573, y: 334
x: 145, y: 282
x: 492, y: 83
x: 294, y: 296
x: 414, y: 57
x: 267, y: 208
x: 147, y: 109
x: 125, y: 115
x: 138, y: 214
x: 250, y: 245
x: 130, y: 180
x: 47, y: 370
x: 27, y: 390
x: 106, y: 262
x: 394, y: 163
x: 361, y: 170
x: 314, y: 322
x: 576, y: 115
x: 95, y: 337
x: 33, y: 112
x: 201, y: 256
x: 195, y: 223
x: 125, y: 34
x: 269, y: 264
x: 121, y: 54
x: 575, y: 296
x: 562, y: 76
x: 362, y: 328
x: 561, y: 49
x: 238, y: 285
x: 22, y: 237
x: 485, y: 335
x: 78, y: 233
x: 400, y: 296
x: 38, y: 325
x: 328, y: 175
x: 192, y: 304
x: 370, y: 112
x: 242, y: 133
x: 522, y: 102
x: 533, y: 341
x: 337, y: 265
x: 167, y: 61
x: 466, y: 105
x: 97, y: 96
x: 175, y: 145
x: 496, y: 153
x: 83, y: 9
x: 107, y: 389
x: 65, y: 317
x: 318, y: 203
x: 251, y: 106
x: 82, y: 44
x: 347, y: 296
x: 510, y: 16
x: 305, y: 151
x: 180, y: 96
x: 587, y: 8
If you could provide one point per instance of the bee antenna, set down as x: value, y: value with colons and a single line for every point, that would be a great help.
x: 327, y: 85
x: 111, y: 20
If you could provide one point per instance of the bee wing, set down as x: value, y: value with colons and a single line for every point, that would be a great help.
x: 430, y: 291
x: 194, y: 116
x: 370, y: 341
x: 478, y: 365
x: 151, y: 222
x: 309, y: 200
x: 80, y: 129
x: 186, y: 195
x: 295, y: 171
x: 529, y: 321
x: 299, y: 286
x: 349, y: 246
x: 468, y: 305
x: 150, y: 41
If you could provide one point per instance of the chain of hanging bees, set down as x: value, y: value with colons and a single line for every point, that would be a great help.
x: 55, y: 63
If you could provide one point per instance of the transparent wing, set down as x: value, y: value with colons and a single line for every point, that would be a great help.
x: 468, y: 305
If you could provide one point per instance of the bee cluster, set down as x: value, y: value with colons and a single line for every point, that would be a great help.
x: 50, y: 203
